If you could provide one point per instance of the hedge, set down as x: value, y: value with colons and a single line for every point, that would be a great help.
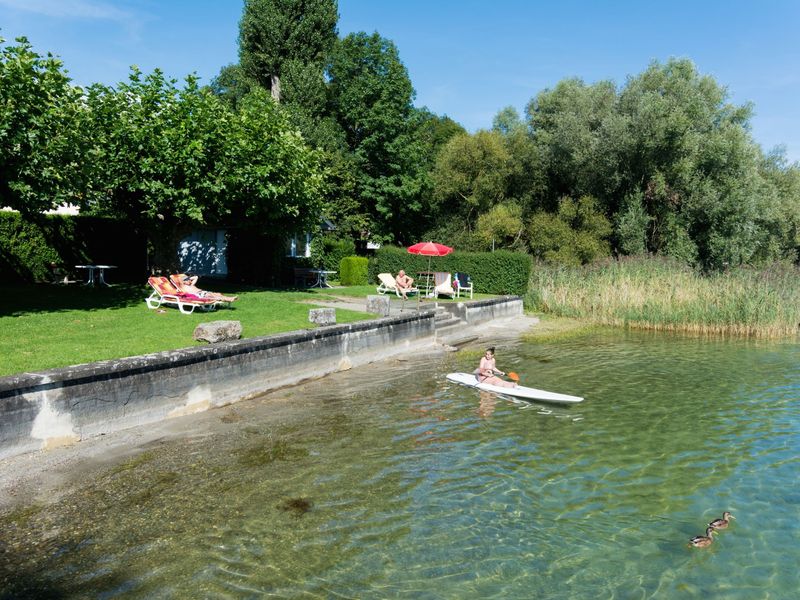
x: 499, y: 272
x: 29, y: 246
x: 353, y: 270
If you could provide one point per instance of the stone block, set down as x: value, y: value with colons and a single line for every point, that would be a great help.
x: 218, y: 331
x: 322, y: 316
x: 378, y: 305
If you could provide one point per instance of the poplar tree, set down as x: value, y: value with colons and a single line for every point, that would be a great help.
x: 278, y: 36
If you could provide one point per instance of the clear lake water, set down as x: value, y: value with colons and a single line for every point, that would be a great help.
x: 387, y: 481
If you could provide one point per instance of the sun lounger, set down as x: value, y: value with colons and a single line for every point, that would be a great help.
x: 165, y: 293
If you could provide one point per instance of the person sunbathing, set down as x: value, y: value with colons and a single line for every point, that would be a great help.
x: 404, y: 283
x: 188, y: 285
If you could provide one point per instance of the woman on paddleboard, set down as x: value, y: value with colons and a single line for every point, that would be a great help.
x: 487, y: 371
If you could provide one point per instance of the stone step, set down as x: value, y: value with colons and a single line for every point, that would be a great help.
x: 447, y: 323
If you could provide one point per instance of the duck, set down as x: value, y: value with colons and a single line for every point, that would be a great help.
x: 701, y: 541
x: 723, y: 522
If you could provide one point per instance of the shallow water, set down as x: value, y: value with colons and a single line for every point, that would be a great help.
x: 388, y: 482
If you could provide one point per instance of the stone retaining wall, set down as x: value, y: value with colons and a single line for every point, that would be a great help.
x: 480, y: 311
x: 63, y: 406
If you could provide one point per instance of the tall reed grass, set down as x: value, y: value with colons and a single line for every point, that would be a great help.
x: 655, y: 293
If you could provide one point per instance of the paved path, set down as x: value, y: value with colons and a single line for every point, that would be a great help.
x: 396, y: 306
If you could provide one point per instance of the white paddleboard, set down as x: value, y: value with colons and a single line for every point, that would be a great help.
x: 521, y: 391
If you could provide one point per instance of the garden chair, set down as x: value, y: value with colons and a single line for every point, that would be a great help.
x: 165, y: 293
x: 462, y: 283
x: 179, y: 280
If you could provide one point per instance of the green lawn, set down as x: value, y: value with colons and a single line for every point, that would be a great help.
x: 45, y: 326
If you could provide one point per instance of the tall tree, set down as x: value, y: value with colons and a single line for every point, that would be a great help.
x: 567, y: 123
x: 274, y: 32
x: 170, y: 159
x: 471, y: 176
x: 41, y: 149
x: 160, y: 157
x: 689, y: 154
x: 371, y: 97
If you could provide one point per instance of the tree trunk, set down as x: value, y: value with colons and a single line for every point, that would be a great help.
x: 275, y: 88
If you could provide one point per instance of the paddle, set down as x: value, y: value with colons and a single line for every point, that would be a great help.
x: 512, y: 376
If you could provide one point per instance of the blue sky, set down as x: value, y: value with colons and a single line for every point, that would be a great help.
x: 467, y: 58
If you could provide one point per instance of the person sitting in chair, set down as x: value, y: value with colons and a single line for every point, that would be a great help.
x: 404, y: 283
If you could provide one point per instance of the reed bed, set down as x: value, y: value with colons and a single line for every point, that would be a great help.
x: 657, y: 294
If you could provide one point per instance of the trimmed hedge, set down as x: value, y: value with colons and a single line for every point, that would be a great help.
x: 28, y: 247
x: 500, y: 272
x: 354, y: 270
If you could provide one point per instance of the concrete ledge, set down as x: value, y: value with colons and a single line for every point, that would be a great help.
x: 40, y: 410
x: 474, y: 313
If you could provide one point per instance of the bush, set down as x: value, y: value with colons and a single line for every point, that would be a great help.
x: 353, y: 270
x: 337, y: 250
x: 500, y: 272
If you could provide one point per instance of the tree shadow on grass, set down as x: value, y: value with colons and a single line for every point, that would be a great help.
x: 18, y: 299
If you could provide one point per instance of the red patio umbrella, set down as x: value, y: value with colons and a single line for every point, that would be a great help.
x: 429, y: 249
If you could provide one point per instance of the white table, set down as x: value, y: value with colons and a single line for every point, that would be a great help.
x: 101, y: 278
x: 322, y: 278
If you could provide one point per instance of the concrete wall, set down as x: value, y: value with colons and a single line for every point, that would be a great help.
x: 61, y: 406
x: 473, y: 313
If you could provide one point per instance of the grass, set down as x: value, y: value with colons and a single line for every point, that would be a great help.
x: 660, y: 295
x: 46, y: 326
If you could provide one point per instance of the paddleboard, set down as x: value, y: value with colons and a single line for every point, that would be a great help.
x: 526, y: 393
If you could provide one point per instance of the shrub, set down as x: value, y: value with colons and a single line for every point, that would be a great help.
x: 353, y: 270
x: 500, y: 272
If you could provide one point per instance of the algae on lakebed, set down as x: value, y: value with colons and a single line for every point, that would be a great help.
x: 550, y: 329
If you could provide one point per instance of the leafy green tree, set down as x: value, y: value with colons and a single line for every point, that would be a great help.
x: 281, y: 36
x: 577, y: 234
x: 691, y: 153
x: 274, y: 178
x: 502, y: 227
x: 41, y: 150
x: 170, y: 159
x: 568, y: 123
x: 160, y: 157
x: 371, y: 97
x: 232, y: 84
x: 784, y: 178
x: 631, y: 225
x: 471, y: 175
x: 528, y: 177
x: 507, y: 121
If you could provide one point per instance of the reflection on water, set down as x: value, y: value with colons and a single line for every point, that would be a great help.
x: 487, y: 404
x: 388, y: 481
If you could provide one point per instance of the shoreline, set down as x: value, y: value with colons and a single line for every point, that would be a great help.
x: 34, y: 478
